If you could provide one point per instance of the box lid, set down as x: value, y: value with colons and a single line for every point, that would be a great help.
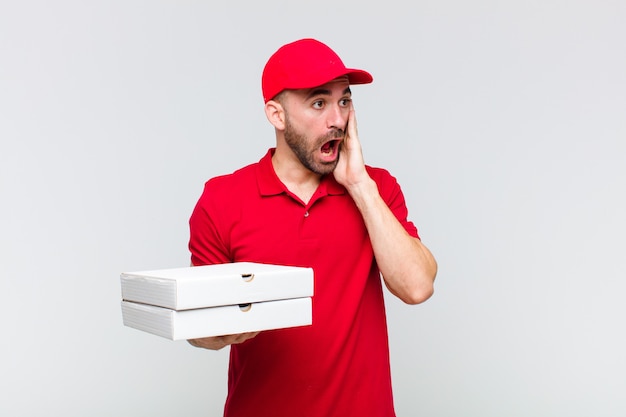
x: 216, y: 285
x: 217, y: 321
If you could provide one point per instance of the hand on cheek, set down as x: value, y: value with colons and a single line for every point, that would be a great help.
x: 351, y: 167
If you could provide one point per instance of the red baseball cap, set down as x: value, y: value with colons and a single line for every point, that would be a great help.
x: 305, y: 63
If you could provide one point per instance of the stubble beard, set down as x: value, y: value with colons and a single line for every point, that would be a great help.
x: 306, y: 155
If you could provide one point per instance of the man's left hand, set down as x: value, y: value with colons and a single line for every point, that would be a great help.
x: 350, y: 170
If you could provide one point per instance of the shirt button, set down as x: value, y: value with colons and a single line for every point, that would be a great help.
x: 306, y: 213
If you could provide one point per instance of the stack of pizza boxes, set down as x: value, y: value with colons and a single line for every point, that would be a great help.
x: 217, y: 300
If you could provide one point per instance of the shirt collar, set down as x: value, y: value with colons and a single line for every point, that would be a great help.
x: 269, y: 183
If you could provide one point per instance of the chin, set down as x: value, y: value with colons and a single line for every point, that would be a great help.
x: 324, y: 169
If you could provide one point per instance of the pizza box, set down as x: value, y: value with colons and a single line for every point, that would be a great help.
x: 217, y: 321
x: 215, y: 285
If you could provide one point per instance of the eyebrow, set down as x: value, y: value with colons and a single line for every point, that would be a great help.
x: 325, y: 92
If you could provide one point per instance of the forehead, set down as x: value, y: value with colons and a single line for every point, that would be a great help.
x: 338, y: 86
x: 337, y: 83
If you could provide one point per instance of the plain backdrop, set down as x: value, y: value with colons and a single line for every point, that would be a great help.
x: 504, y: 121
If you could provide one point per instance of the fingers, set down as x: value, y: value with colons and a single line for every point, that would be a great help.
x: 212, y: 343
x: 352, y: 129
x: 240, y: 338
x: 219, y: 342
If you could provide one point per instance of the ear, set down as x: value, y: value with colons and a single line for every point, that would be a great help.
x: 275, y: 114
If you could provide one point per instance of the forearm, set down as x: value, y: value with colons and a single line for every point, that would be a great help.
x: 407, y: 266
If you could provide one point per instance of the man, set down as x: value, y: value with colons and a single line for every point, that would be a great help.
x: 311, y: 201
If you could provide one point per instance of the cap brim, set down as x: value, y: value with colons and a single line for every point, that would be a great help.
x: 357, y: 76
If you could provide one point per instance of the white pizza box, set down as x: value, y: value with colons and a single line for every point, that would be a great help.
x: 216, y: 285
x: 217, y: 321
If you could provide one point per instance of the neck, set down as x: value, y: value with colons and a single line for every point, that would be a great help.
x: 298, y: 179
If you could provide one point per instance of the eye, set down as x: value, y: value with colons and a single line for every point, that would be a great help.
x: 318, y: 104
x: 345, y: 102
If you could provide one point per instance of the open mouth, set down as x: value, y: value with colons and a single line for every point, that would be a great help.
x: 330, y: 148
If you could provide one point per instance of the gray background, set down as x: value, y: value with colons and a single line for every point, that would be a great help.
x: 503, y: 121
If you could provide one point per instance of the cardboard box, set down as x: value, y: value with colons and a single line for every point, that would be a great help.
x: 217, y: 321
x: 217, y: 300
x: 216, y: 285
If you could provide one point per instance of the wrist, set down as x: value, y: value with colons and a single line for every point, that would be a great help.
x: 363, y: 192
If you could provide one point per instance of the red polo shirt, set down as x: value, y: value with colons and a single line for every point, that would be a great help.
x: 339, y: 366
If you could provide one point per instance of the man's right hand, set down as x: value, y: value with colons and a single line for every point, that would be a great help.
x: 219, y: 342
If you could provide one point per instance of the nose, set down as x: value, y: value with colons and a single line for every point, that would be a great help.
x: 337, y: 117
